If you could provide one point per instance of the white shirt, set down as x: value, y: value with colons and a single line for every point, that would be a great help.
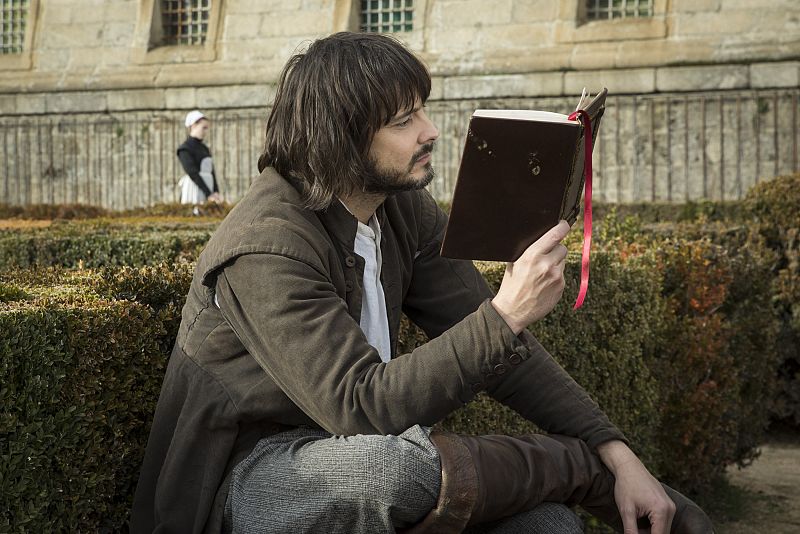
x: 374, y: 320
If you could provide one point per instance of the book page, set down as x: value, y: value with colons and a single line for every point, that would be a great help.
x: 584, y: 99
x: 522, y: 114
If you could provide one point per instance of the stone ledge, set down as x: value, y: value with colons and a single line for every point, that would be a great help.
x: 180, y: 98
x: 644, y: 81
x: 8, y: 104
x: 75, y: 102
x: 504, y: 85
x: 702, y: 78
x: 618, y: 81
x: 135, y: 99
x: 780, y: 74
x: 237, y: 96
x: 437, y: 88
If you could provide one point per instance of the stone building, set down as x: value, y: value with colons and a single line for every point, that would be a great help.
x: 704, y: 93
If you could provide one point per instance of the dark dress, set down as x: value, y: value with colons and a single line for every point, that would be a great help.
x: 196, y: 161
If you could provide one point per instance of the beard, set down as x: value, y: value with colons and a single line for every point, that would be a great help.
x: 390, y: 181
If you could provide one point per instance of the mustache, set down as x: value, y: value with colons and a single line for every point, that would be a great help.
x: 425, y: 150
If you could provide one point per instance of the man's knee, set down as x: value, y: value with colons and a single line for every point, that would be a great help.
x: 400, y: 471
x: 374, y: 480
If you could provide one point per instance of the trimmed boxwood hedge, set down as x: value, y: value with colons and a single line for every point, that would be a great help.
x: 100, y: 244
x: 81, y: 369
x: 774, y: 207
x: 675, y: 343
x: 766, y: 225
x: 85, y: 211
x: 678, y: 341
x: 84, y: 353
x: 603, y: 346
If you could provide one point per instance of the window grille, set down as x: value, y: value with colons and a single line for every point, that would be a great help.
x: 381, y: 16
x: 185, y: 22
x: 12, y: 24
x: 618, y: 9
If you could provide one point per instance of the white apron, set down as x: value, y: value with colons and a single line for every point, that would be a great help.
x: 190, y: 193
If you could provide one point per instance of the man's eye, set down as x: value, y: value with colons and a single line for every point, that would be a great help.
x: 405, y: 121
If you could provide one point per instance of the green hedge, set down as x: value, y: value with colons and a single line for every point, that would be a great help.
x: 81, y: 369
x: 766, y: 225
x: 774, y: 206
x: 720, y: 353
x: 675, y: 341
x: 85, y: 211
x: 84, y: 355
x: 603, y: 346
x: 100, y: 244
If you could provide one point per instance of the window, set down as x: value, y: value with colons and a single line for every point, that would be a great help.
x: 12, y: 21
x: 176, y: 31
x: 618, y: 9
x: 184, y: 22
x: 387, y: 15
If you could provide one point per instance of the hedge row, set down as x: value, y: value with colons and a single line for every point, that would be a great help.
x: 83, y: 357
x: 85, y: 211
x: 678, y: 341
x: 775, y: 207
x: 100, y: 244
x: 675, y: 349
x: 662, y: 343
x: 766, y: 224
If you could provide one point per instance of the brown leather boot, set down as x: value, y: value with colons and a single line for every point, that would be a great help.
x: 518, y: 473
x: 458, y: 492
x: 509, y: 475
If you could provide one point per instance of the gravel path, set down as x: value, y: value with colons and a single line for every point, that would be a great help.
x: 775, y: 476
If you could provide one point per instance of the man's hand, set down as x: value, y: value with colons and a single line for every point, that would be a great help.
x: 637, y: 492
x: 215, y: 198
x: 533, y: 284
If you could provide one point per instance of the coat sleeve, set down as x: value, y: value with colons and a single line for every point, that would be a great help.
x: 289, y: 317
x: 443, y: 291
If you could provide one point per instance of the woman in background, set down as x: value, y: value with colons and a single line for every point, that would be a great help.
x: 199, y: 184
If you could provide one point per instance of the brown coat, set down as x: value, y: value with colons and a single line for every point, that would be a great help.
x: 283, y: 348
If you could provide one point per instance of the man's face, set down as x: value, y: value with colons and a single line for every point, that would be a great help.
x: 399, y: 158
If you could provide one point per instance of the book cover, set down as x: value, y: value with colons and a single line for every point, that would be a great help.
x: 521, y: 172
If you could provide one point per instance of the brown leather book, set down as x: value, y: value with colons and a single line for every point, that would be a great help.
x: 521, y: 172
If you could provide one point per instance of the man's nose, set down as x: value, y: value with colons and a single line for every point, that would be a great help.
x: 429, y: 132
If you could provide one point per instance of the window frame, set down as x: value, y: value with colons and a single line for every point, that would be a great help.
x: 148, y: 25
x: 584, y: 11
x: 23, y: 60
x: 574, y: 27
x: 411, y: 9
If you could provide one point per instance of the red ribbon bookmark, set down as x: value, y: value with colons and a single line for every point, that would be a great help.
x: 587, y: 205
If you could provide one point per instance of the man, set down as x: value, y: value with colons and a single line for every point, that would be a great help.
x: 285, y: 407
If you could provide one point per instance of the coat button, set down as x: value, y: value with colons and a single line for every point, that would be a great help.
x: 350, y: 261
x: 477, y: 387
x: 515, y: 359
x: 500, y: 368
x: 348, y: 286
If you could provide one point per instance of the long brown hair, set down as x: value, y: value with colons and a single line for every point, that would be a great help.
x: 330, y: 102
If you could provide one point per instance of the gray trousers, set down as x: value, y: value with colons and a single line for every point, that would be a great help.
x: 308, y: 481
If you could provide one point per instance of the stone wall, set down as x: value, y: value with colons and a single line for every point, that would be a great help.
x: 475, y: 48
x: 666, y: 147
x: 702, y: 91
